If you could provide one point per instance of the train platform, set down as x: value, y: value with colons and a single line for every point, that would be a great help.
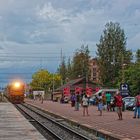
x: 107, y: 125
x: 13, y: 126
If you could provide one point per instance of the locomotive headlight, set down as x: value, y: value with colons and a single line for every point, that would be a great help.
x: 17, y: 85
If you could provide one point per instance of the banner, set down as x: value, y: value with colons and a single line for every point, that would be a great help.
x: 66, y: 91
x: 97, y: 89
x: 89, y: 91
x: 78, y: 90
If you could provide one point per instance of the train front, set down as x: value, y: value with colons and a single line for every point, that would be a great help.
x: 16, y: 92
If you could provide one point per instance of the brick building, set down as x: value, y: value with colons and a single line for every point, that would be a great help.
x: 94, y: 70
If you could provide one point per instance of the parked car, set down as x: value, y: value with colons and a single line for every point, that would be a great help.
x: 131, y: 105
x: 129, y: 102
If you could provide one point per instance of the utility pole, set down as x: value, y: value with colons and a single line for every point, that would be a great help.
x: 123, y: 65
x: 52, y: 88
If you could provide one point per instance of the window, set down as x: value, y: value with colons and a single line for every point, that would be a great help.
x: 94, y: 69
x: 94, y: 74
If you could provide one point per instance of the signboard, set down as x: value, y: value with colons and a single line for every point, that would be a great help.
x: 66, y: 91
x: 97, y: 89
x: 89, y: 91
x: 124, y: 89
x: 78, y: 90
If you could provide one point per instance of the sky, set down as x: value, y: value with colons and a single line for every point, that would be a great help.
x: 33, y: 33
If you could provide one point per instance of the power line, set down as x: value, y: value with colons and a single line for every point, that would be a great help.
x: 14, y: 73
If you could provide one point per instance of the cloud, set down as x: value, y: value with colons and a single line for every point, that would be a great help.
x: 30, y: 27
x: 134, y: 42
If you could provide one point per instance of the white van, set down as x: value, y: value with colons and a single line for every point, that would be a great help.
x: 111, y: 91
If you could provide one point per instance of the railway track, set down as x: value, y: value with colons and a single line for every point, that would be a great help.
x: 52, y: 127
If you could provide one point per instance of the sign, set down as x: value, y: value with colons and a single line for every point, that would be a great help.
x: 124, y: 89
x: 89, y: 91
x: 97, y: 89
x: 66, y: 91
x: 78, y: 90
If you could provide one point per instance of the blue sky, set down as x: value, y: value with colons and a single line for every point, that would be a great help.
x: 33, y: 32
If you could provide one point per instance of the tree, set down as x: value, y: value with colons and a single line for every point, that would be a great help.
x: 62, y: 70
x: 80, y: 63
x: 132, y: 75
x: 42, y: 80
x: 55, y: 81
x: 69, y: 69
x: 112, y: 53
x: 138, y: 55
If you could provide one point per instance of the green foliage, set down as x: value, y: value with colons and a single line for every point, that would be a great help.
x: 69, y: 69
x: 43, y: 80
x: 79, y: 66
x: 62, y: 70
x: 132, y: 77
x: 112, y: 53
x: 80, y: 63
x: 138, y: 55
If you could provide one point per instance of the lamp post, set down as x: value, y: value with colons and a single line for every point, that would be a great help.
x: 123, y: 77
x: 123, y: 68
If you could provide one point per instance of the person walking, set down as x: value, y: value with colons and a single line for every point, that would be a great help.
x: 85, y: 105
x: 119, y: 104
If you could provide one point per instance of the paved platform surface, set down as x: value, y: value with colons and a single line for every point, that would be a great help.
x: 13, y: 126
x: 126, y: 129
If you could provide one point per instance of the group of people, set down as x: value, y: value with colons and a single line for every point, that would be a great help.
x: 82, y: 99
x: 103, y: 100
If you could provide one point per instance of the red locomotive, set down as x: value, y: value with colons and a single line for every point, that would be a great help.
x: 15, y: 92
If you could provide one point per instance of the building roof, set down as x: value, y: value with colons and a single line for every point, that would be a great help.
x: 73, y: 83
x: 70, y: 83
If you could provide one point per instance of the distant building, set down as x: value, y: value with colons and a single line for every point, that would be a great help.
x: 72, y: 85
x: 94, y: 70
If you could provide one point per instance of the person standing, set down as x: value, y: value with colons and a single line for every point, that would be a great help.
x: 119, y: 104
x: 73, y: 100
x: 100, y: 104
x: 137, y: 107
x: 85, y: 105
x: 77, y: 100
x: 108, y: 100
x: 42, y: 97
x: 104, y: 101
